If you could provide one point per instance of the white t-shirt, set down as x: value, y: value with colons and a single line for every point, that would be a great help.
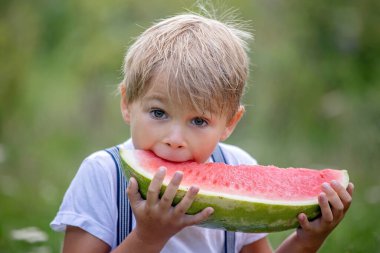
x: 90, y: 203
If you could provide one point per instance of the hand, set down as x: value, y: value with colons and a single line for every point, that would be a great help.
x: 156, y: 219
x: 334, y: 201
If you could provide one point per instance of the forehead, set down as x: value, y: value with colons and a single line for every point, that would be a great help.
x: 169, y: 91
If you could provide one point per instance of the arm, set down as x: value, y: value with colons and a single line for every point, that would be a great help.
x: 309, y: 237
x: 77, y: 241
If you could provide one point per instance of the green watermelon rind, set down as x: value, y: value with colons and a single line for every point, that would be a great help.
x: 231, y: 212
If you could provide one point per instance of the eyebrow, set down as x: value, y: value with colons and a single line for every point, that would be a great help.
x: 156, y: 96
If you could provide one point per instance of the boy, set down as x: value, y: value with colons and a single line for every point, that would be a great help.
x: 184, y: 78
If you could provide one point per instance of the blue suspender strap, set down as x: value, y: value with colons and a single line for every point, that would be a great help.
x: 124, y: 220
x: 229, y: 237
x: 218, y: 156
x: 229, y: 242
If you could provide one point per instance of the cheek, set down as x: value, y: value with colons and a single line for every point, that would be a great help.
x: 142, y: 135
x: 203, y: 148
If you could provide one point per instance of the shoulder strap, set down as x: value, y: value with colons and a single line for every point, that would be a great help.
x: 218, y: 156
x: 124, y: 219
x: 229, y: 236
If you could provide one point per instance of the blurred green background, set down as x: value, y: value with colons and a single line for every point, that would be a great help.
x: 313, y: 101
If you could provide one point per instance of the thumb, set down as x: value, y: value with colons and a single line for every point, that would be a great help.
x: 199, y: 217
x: 133, y: 192
x: 304, y: 222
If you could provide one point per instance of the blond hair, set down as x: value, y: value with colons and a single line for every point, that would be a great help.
x: 204, y: 60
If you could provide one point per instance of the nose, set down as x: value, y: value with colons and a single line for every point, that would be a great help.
x: 175, y: 137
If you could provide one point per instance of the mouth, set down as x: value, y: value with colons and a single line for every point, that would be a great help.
x: 171, y: 157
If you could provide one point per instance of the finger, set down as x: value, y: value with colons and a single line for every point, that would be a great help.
x: 343, y: 194
x: 199, y: 217
x: 171, y: 190
x: 333, y: 196
x: 327, y: 214
x: 186, y: 202
x: 133, y: 192
x: 350, y: 188
x: 303, y: 221
x: 155, y: 187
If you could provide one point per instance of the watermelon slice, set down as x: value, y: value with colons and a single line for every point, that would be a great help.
x: 248, y: 198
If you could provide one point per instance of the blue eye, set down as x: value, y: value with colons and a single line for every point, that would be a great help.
x: 158, y: 114
x: 199, y: 122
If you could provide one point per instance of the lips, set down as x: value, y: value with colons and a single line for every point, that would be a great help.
x: 173, y: 155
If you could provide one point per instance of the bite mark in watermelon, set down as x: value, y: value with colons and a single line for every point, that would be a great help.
x: 248, y: 198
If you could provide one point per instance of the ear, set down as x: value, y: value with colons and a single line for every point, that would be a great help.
x: 124, y: 106
x: 230, y: 127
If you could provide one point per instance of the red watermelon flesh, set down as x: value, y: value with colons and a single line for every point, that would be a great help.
x: 252, y: 181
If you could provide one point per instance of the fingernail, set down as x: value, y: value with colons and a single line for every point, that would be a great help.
x: 326, y: 185
x: 194, y: 189
x: 178, y: 174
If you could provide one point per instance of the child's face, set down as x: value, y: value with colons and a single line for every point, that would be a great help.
x: 171, y: 130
